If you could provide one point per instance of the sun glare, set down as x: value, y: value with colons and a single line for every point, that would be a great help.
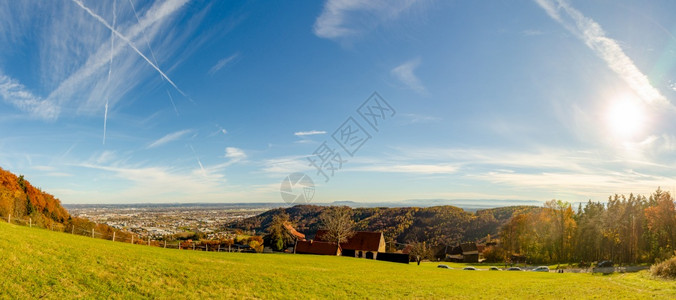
x: 625, y: 117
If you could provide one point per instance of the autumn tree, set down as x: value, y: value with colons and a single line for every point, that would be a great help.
x: 559, y: 216
x: 256, y: 243
x: 420, y: 251
x: 278, y: 236
x: 338, y: 223
x: 661, y: 222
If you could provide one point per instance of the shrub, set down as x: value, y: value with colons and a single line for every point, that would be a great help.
x: 665, y: 269
x: 493, y: 254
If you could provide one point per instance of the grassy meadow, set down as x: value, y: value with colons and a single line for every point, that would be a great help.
x: 37, y: 263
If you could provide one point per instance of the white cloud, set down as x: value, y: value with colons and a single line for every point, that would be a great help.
x: 311, y: 132
x: 168, y: 138
x: 596, y: 185
x: 222, y: 63
x: 16, y: 94
x: 74, y: 53
x: 155, y: 184
x: 404, y: 73
x: 345, y: 18
x: 441, y: 168
x: 532, y: 32
x: 235, y: 154
x: 283, y: 166
x: 417, y: 118
x: 606, y: 48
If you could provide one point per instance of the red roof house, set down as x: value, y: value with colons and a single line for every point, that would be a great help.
x: 362, y: 244
x: 316, y: 247
x: 299, y: 236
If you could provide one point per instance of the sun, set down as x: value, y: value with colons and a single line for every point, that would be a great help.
x: 625, y: 117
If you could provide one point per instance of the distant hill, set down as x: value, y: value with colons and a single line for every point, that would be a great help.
x: 21, y: 199
x: 436, y: 224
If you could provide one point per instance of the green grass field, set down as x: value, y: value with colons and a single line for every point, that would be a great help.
x: 38, y: 263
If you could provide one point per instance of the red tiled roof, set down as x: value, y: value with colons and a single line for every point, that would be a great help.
x: 315, y: 247
x: 293, y: 231
x: 361, y: 240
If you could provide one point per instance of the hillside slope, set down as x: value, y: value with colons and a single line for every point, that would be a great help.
x: 39, y: 263
x: 22, y: 200
x: 437, y: 224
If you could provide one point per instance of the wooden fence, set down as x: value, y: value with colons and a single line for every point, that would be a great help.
x: 131, y: 237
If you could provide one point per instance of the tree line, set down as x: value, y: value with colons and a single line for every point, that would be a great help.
x: 626, y: 229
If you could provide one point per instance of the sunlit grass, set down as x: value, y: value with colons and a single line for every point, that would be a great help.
x: 40, y: 263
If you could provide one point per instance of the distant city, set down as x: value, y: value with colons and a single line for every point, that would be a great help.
x: 158, y: 220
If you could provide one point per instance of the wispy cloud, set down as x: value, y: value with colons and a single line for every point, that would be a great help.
x: 235, y: 154
x: 311, y: 132
x: 574, y: 173
x: 345, y: 18
x: 532, y: 32
x: 168, y: 138
x: 155, y: 182
x: 16, y: 94
x: 441, y: 168
x: 282, y: 166
x: 222, y: 63
x: 405, y: 74
x: 129, y: 43
x: 74, y: 53
x: 417, y: 118
x: 606, y: 48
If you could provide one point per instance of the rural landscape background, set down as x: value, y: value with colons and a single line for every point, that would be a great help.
x: 337, y: 149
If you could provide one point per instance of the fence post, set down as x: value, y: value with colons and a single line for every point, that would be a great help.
x: 219, y: 248
x: 30, y: 222
x: 132, y: 238
x: 9, y: 218
x: 207, y: 245
x: 148, y: 241
x: 92, y: 232
x: 193, y: 246
x: 165, y: 244
x: 113, y: 236
x: 72, y: 229
x: 179, y: 245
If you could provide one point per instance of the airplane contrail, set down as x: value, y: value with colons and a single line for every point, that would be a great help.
x: 105, y: 122
x: 152, y: 53
x: 172, y: 102
x: 110, y: 70
x: 125, y: 39
x: 198, y: 159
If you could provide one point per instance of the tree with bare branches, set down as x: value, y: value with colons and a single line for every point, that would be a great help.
x: 338, y: 223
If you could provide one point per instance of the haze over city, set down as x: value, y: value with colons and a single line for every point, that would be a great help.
x: 197, y: 101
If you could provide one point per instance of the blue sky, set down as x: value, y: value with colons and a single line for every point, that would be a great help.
x: 217, y: 101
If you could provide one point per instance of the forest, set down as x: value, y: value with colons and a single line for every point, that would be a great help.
x: 627, y: 229
x: 437, y: 225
